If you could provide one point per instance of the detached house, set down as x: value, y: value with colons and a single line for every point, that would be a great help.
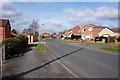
x: 5, y: 29
x: 109, y: 32
x: 90, y: 31
x: 75, y: 31
x: 46, y: 35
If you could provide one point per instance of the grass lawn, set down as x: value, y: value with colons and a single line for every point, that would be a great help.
x: 110, y: 49
x: 95, y: 43
x: 42, y: 39
x: 113, y: 48
x: 115, y: 45
x: 40, y: 47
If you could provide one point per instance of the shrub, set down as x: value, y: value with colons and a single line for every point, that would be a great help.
x: 118, y: 39
x: 23, y: 40
x: 11, y: 46
x: 67, y: 38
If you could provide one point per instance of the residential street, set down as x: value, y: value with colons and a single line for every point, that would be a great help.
x: 34, y: 65
x: 85, y: 63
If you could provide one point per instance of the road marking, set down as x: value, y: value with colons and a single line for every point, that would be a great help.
x: 64, y: 66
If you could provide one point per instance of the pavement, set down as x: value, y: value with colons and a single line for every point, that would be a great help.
x: 84, y: 62
x: 34, y: 65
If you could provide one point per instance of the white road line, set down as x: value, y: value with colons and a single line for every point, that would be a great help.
x: 65, y: 66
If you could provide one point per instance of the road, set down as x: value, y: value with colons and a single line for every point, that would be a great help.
x: 85, y: 63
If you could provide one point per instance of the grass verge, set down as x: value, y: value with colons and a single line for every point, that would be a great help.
x: 40, y: 47
x: 42, y: 39
x: 95, y: 43
x: 110, y: 49
x: 115, y: 45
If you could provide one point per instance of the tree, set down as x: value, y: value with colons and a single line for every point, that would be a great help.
x: 14, y: 31
x: 33, y: 29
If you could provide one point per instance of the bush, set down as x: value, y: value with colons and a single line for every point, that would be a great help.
x: 23, y: 40
x: 118, y: 39
x: 12, y: 46
x: 67, y: 38
x: 15, y: 45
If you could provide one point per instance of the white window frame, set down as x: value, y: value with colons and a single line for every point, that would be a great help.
x: 90, y: 29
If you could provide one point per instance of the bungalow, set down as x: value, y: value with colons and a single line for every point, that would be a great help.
x: 5, y: 29
x: 106, y: 32
x: 46, y: 35
x: 90, y: 31
x: 75, y: 32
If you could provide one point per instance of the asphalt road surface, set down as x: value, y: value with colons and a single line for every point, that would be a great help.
x: 85, y: 63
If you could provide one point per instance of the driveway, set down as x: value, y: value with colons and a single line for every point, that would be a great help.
x: 34, y: 65
x: 83, y: 62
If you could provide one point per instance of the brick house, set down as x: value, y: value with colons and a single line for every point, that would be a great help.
x: 46, y: 35
x: 76, y: 31
x: 5, y: 29
x: 90, y: 31
x: 106, y: 32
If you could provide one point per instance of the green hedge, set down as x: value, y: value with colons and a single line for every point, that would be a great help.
x: 23, y: 40
x: 15, y: 45
x: 12, y: 46
x: 67, y: 38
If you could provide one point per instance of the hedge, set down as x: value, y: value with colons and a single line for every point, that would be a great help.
x: 12, y: 46
x: 67, y: 38
x: 15, y: 45
x: 23, y: 40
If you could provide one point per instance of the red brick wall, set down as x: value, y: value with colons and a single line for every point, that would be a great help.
x: 94, y: 31
x: 5, y: 32
x: 1, y: 34
x: 76, y: 30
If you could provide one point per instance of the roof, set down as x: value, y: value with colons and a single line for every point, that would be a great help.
x: 96, y: 26
x: 24, y: 34
x: 14, y: 34
x: 45, y: 34
x: 116, y: 30
x: 3, y: 22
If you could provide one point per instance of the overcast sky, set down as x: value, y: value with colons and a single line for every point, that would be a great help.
x: 59, y: 16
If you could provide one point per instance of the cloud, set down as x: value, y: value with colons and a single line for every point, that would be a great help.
x: 15, y: 15
x: 90, y: 16
x: 52, y: 26
x: 106, y: 13
x: 9, y: 10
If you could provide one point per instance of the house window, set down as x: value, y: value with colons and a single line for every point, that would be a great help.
x: 88, y: 36
x: 83, y: 30
x: 89, y: 29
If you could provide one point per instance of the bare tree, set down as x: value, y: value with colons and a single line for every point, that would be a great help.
x: 34, y: 26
